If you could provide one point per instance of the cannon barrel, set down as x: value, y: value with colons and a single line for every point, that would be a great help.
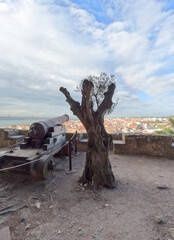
x: 39, y: 130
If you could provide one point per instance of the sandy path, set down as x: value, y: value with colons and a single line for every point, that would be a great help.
x: 59, y: 208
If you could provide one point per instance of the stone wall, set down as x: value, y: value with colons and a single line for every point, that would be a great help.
x: 138, y: 144
x: 146, y: 144
x: 10, y: 137
x: 133, y: 144
x: 81, y: 141
x: 5, y: 141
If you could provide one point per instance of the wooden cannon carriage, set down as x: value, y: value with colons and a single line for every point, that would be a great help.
x: 35, y: 154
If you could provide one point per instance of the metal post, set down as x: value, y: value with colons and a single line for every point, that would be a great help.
x: 70, y: 160
x: 76, y: 143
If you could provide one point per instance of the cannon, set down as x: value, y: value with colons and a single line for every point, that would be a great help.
x: 35, y: 155
x: 39, y: 130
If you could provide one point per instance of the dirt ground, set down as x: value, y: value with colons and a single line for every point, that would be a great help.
x: 60, y: 208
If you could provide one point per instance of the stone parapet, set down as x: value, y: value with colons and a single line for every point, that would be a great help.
x: 10, y: 137
x: 5, y: 141
x: 137, y: 144
x: 146, y: 144
x: 130, y: 144
x: 81, y: 141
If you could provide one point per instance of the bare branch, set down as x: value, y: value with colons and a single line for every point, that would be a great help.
x: 75, y: 106
x: 107, y: 101
x: 87, y: 105
x: 96, y: 99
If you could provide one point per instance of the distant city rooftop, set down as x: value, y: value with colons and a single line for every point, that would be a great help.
x: 115, y: 125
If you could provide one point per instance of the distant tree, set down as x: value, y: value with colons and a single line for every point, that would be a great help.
x: 172, y: 121
x: 167, y: 130
x: 97, y: 93
x: 160, y: 132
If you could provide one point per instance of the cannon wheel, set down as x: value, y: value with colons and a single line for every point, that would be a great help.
x: 43, y: 168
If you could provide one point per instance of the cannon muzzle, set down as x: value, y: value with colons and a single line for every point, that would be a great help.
x: 39, y: 130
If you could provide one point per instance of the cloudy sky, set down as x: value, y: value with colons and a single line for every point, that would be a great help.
x: 45, y: 44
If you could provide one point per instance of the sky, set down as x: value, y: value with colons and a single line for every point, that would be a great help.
x: 46, y: 44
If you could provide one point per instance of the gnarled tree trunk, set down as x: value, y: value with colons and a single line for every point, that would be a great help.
x: 97, y: 167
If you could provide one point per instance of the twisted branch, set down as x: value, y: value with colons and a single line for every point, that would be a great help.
x: 75, y: 106
x: 107, y: 101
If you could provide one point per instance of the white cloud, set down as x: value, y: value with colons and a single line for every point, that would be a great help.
x: 143, y: 49
x: 45, y: 45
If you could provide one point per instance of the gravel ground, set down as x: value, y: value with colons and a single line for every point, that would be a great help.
x: 60, y: 208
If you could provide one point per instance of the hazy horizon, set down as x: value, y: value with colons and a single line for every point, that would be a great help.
x: 73, y: 118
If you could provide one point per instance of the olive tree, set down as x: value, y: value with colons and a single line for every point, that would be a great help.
x: 97, y: 93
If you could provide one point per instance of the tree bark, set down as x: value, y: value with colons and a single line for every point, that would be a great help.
x: 97, y: 169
